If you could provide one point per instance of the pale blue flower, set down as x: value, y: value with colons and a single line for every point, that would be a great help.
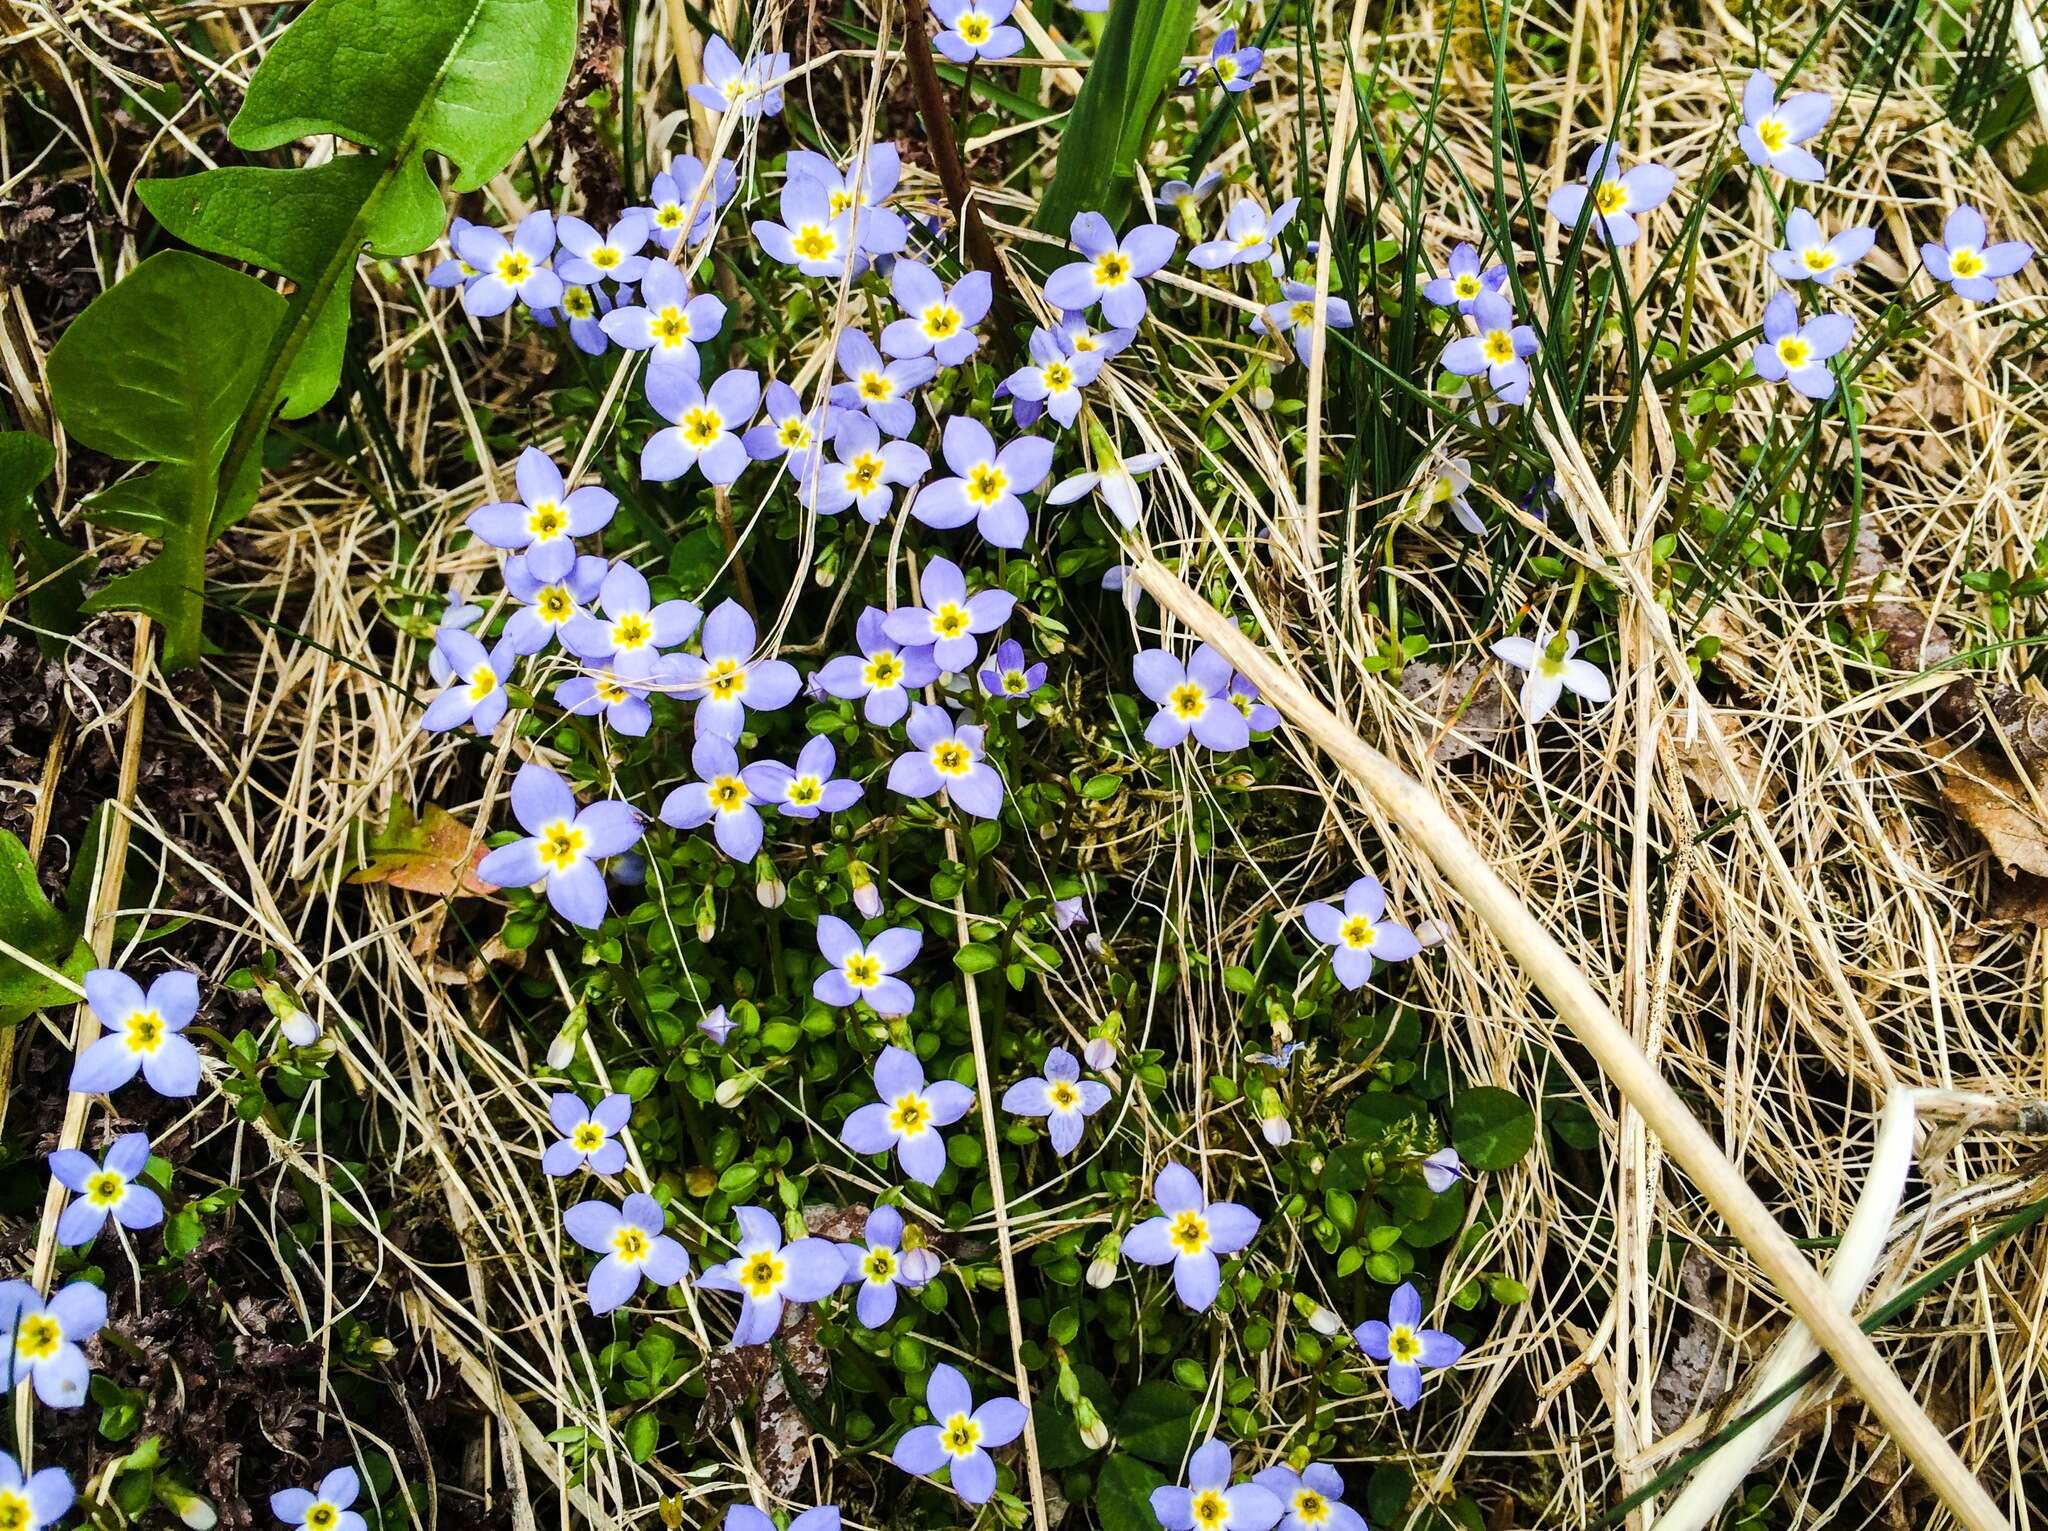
x: 1310, y: 1500
x: 680, y: 188
x: 667, y: 323
x: 589, y: 1134
x: 1810, y: 256
x: 475, y: 693
x: 727, y: 679
x: 989, y: 483
x: 510, y: 269
x: 33, y: 1502
x: 945, y: 755
x: 976, y: 29
x: 631, y: 1240
x: 548, y: 516
x: 584, y: 308
x: 1443, y: 1169
x: 142, y: 1034
x: 40, y: 1341
x: 324, y: 1507
x: 950, y: 617
x: 1050, y: 382
x: 1773, y: 131
x: 791, y: 431
x: 1294, y: 316
x: 704, y: 425
x: 937, y: 321
x: 1463, y: 281
x: 1795, y: 353
x: 961, y: 1436
x: 563, y: 845
x: 613, y: 256
x: 808, y: 788
x: 1235, y: 68
x: 859, y: 191
x: 1061, y: 1096
x: 623, y: 702
x: 1009, y: 672
x: 1552, y: 667
x: 864, y: 470
x: 878, y: 1264
x: 725, y: 795
x: 882, y: 675
x: 864, y: 971
x: 547, y: 606
x: 106, y: 1189
x: 717, y: 1025
x: 1179, y: 199
x: 1405, y: 1346
x: 1190, y: 1233
x: 766, y: 1273
x: 1616, y: 198
x: 908, y: 1114
x: 1209, y: 1502
x: 882, y: 388
x: 1972, y: 268
x: 1250, y: 235
x: 453, y: 271
x: 814, y: 236
x: 1112, y: 272
x: 752, y: 89
x: 1193, y: 699
x: 1359, y: 934
x: 1499, y: 351
x: 629, y: 636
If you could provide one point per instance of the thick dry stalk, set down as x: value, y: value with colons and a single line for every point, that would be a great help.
x: 1580, y: 1006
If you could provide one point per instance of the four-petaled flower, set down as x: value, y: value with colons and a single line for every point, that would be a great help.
x: 937, y: 322
x: 1294, y: 316
x: 1357, y: 935
x: 629, y: 637
x: 547, y: 517
x: 1616, y: 197
x: 1052, y: 380
x: 1249, y: 234
x: 975, y: 29
x: 766, y: 1273
x: 881, y: 388
x: 1260, y: 717
x: 1463, y: 280
x: 630, y: 1238
x: 508, y: 269
x: 562, y: 845
x: 32, y: 1502
x: 623, y: 702
x: 1310, y: 1500
x: 725, y: 795
x: 1447, y: 486
x: 667, y: 322
x: 1796, y: 353
x: 791, y: 432
x: 475, y: 693
x: 589, y: 1134
x: 814, y: 236
x: 324, y: 1507
x: 728, y: 679
x: 863, y: 470
x: 1061, y: 1096
x: 1193, y: 698
x: 1113, y: 271
x: 960, y: 1435
x: 945, y: 754
x: 40, y: 1341
x: 744, y: 1517
x: 142, y: 1034
x: 1404, y: 1346
x: 808, y: 788
x: 613, y: 256
x: 909, y: 1113
x: 1810, y: 256
x: 988, y: 484
x: 1773, y: 131
x: 859, y: 192
x: 1210, y: 1502
x: 1235, y: 68
x: 704, y: 425
x: 1114, y: 481
x: 548, y: 605
x: 679, y: 189
x: 1009, y: 672
x: 103, y: 1190
x: 878, y: 1264
x: 883, y: 674
x: 950, y: 617
x: 1549, y: 658
x: 1498, y: 351
x: 1190, y: 1232
x: 866, y: 971
x: 751, y: 89
x: 1972, y: 268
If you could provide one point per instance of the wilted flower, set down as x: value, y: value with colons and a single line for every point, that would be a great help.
x: 1404, y: 1347
x: 41, y: 1341
x: 613, y: 256
x: 864, y: 469
x: 1312, y: 1499
x: 1294, y: 317
x: 630, y: 1238
x: 961, y: 1435
x: 1113, y: 273
x: 880, y: 1264
x: 1260, y: 717
x: 909, y: 1113
x: 1190, y: 1233
x: 1277, y: 1060
x: 865, y: 971
x: 1971, y: 268
x: 859, y: 191
x: 1358, y: 934
x: 1796, y: 353
x: 1180, y: 200
x: 548, y: 605
x: 1616, y: 197
x: 1069, y: 912
x: 1235, y: 68
x: 728, y: 677
x: 1443, y: 1169
x: 1209, y: 1503
x: 1552, y: 670
x: 1773, y: 130
x: 324, y: 1507
x: 723, y: 796
x: 1061, y: 1096
x: 730, y: 86
x: 103, y: 1190
x: 791, y: 432
x: 590, y: 1134
x: 142, y: 1034
x: 946, y: 754
x: 510, y: 269
x: 880, y: 388
x: 766, y: 1273
x: 973, y: 29
x: 989, y: 483
x: 1193, y: 698
x: 476, y: 690
x: 562, y: 845
x: 1810, y: 256
x: 1463, y: 281
x: 808, y: 788
x: 678, y: 188
x: 667, y: 322
x: 629, y: 637
x: 1447, y: 486
x: 1498, y: 351
x: 1008, y: 672
x: 32, y: 1502
x: 950, y: 617
x: 546, y: 519
x: 1250, y: 234
x: 884, y: 673
x: 1115, y: 482
x: 937, y: 322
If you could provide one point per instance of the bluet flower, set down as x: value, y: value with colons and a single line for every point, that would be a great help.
x: 1443, y: 1169
x: 1796, y: 353
x: 882, y: 389
x: 791, y: 432
x: 946, y: 755
x: 1463, y: 280
x: 547, y: 517
x: 1404, y: 1346
x: 1069, y: 912
x: 1498, y: 352
x: 1190, y: 1232
x: 142, y: 1034
x: 766, y: 1273
x: 1358, y: 934
x: 1810, y: 256
x: 938, y: 321
x: 103, y: 1190
x: 744, y: 1517
x: 878, y: 1264
x: 1277, y: 1060
x: 1260, y: 717
x: 1178, y: 199
x: 950, y: 617
x: 1114, y: 481
x: 864, y: 470
x: 1552, y: 670
x: 882, y: 675
x: 453, y: 271
x: 40, y: 1341
x: 630, y: 1238
x: 717, y: 1025
x: 960, y: 1437
x: 33, y: 1502
x: 324, y: 1507
x: 679, y: 188
x: 1616, y: 198
x: 728, y: 678
x: 859, y: 191
x: 723, y: 795
x: 584, y: 308
x: 613, y: 256
x: 1008, y: 672
x: 808, y: 788
x: 510, y: 269
x: 1209, y: 1502
x: 1250, y: 234
x: 811, y: 237
x: 973, y: 29
x: 1310, y: 1500
x: 1053, y: 378
x: 1235, y: 68
x: 1193, y: 698
x: 589, y: 1134
x: 1773, y: 131
x: 1972, y: 268
x: 667, y: 322
x: 1113, y: 271
x: 1082, y: 340
x: 475, y: 693
x: 547, y: 606
x: 623, y: 702
x: 1061, y: 1096
x: 989, y: 483
x: 562, y: 845
x: 704, y: 425
x: 866, y: 971
x: 1294, y: 316
x: 751, y: 89
x: 633, y: 630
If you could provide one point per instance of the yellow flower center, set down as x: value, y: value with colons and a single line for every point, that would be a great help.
x: 1241, y: 702
x: 950, y: 620
x: 322, y: 1516
x: 1111, y: 269
x: 1965, y: 262
x: 815, y: 242
x: 794, y: 433
x: 1466, y: 285
x: 726, y: 678
x: 1188, y: 701
x: 671, y: 325
x: 1013, y: 682
x: 631, y: 1244
x: 987, y: 483
x: 1402, y: 1343
x: 875, y: 387
x: 632, y: 631
x: 1311, y: 1508
x: 973, y: 27
x: 806, y: 790
x: 561, y: 845
x: 1773, y: 133
x: 1610, y: 196
x: 555, y: 604
x: 38, y: 1337
x: 14, y: 1511
x: 1082, y: 342
x: 588, y: 1138
x: 762, y: 1274
x: 1209, y: 1508
x: 864, y: 972
x: 951, y: 758
x: 1226, y: 67
x: 546, y: 521
x: 105, y: 1188
x: 1358, y: 933
x: 1063, y: 1095
x: 670, y: 215
x: 841, y: 200
x: 910, y: 1116
x: 1499, y: 347
x: 145, y: 1031
x: 941, y: 321
x: 1816, y: 258
x: 611, y: 690
x: 727, y: 793
x: 883, y: 672
x: 1059, y: 377
x: 1795, y: 351
x: 1188, y: 1232
x: 879, y: 1266
x: 1303, y: 312
x: 577, y: 302
x: 701, y: 426
x: 604, y: 257
x: 483, y: 680
x: 863, y: 473
x: 960, y: 1436
x: 514, y: 268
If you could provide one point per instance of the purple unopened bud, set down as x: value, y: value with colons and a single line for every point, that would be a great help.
x: 717, y: 1026
x: 1099, y: 1054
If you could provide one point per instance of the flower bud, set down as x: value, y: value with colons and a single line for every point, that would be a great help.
x: 1325, y: 1322
x: 1088, y: 1424
x: 1099, y: 1053
x: 1432, y: 933
x: 562, y: 1051
x: 867, y: 898
x: 707, y: 915
x: 1102, y: 1269
x: 195, y: 1513
x: 769, y: 891
x: 300, y: 1029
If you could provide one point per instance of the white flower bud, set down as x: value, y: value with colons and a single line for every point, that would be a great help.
x: 300, y: 1029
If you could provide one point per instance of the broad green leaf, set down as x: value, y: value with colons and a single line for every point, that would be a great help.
x: 1156, y: 1422
x: 55, y: 569
x: 1137, y: 59
x: 36, y: 929
x: 1123, y: 1495
x: 1491, y: 1128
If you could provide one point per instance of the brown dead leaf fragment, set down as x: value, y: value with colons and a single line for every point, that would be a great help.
x: 430, y: 854
x: 1985, y: 796
x: 1470, y: 709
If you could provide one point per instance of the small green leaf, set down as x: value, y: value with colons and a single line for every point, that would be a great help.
x: 1491, y: 1128
x: 1123, y: 1495
x: 975, y: 959
x: 37, y: 930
